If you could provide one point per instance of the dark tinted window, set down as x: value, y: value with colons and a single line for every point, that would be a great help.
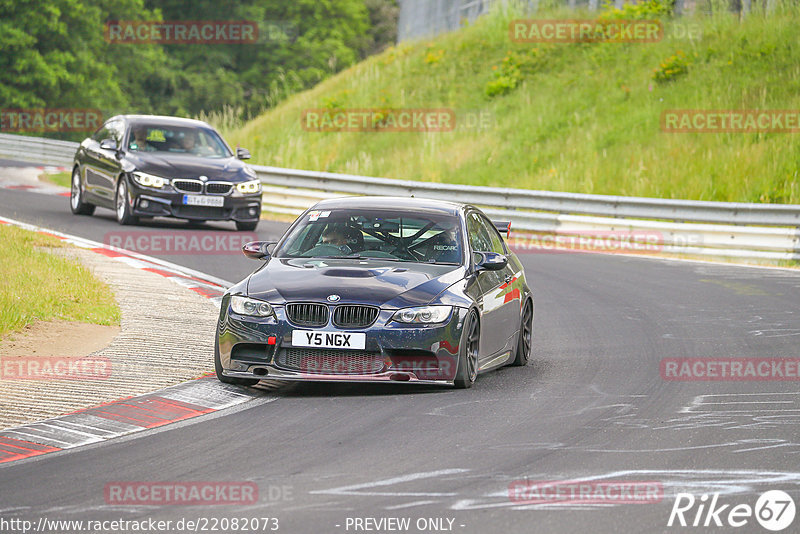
x: 483, y: 236
x: 479, y: 238
x: 110, y: 130
x: 115, y: 131
x: 494, y: 236
x: 101, y: 134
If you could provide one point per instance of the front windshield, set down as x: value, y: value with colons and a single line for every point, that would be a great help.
x: 176, y: 140
x: 349, y: 233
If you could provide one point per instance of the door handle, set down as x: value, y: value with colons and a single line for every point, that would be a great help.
x: 508, y: 278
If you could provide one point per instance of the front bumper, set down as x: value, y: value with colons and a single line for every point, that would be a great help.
x: 150, y: 202
x: 261, y: 348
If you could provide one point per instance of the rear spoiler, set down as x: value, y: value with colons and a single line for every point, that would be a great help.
x: 504, y: 227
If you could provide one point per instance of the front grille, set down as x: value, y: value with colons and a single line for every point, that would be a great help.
x: 354, y: 316
x: 307, y: 314
x: 218, y: 188
x: 188, y: 186
x: 331, y: 361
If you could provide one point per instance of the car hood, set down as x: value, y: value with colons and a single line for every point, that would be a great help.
x: 377, y: 282
x: 183, y: 166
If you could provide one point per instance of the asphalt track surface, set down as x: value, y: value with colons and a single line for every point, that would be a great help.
x: 591, y: 405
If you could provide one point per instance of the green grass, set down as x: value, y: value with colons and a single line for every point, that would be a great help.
x: 38, y: 286
x: 576, y: 117
x: 64, y: 179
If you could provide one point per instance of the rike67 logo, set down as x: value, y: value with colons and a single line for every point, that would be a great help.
x: 774, y: 510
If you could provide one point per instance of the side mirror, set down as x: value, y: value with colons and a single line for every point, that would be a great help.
x: 258, y: 250
x: 108, y: 144
x: 242, y: 153
x: 490, y: 261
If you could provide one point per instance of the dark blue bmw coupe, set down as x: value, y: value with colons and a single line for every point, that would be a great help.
x: 378, y: 289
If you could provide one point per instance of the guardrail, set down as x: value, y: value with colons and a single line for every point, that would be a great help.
x: 743, y: 230
x: 38, y: 149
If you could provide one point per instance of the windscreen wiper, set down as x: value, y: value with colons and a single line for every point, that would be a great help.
x: 359, y: 257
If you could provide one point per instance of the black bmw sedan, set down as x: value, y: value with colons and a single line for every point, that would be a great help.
x: 151, y: 166
x: 378, y: 289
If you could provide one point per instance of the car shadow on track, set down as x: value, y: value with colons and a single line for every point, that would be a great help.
x: 330, y: 389
x: 169, y: 224
x: 535, y: 370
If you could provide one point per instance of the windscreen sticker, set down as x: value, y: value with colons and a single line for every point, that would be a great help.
x: 156, y: 135
x: 316, y: 214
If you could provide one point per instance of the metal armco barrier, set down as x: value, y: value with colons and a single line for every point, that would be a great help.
x: 732, y: 229
x: 38, y: 149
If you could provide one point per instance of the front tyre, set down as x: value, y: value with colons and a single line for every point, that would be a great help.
x: 76, y: 203
x: 124, y: 215
x: 525, y: 340
x: 227, y: 379
x: 246, y: 226
x: 468, y: 352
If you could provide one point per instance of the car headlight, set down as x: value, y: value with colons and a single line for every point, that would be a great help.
x: 149, y: 180
x: 248, y: 306
x: 423, y: 314
x: 253, y: 186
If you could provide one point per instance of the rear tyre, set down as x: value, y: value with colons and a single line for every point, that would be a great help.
x: 123, y: 210
x: 525, y: 340
x: 227, y: 379
x: 76, y: 203
x: 247, y: 226
x: 468, y: 352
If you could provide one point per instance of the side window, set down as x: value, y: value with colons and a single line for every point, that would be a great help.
x: 479, y: 240
x: 115, y: 131
x: 101, y: 133
x: 110, y: 130
x: 494, y: 236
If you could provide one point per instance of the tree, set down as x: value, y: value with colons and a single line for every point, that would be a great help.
x: 383, y: 18
x: 54, y: 53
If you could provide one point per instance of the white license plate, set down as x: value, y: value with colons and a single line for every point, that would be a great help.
x: 200, y: 200
x: 329, y: 340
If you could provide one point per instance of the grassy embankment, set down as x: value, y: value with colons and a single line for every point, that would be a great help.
x: 581, y: 117
x: 64, y: 179
x: 38, y: 286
